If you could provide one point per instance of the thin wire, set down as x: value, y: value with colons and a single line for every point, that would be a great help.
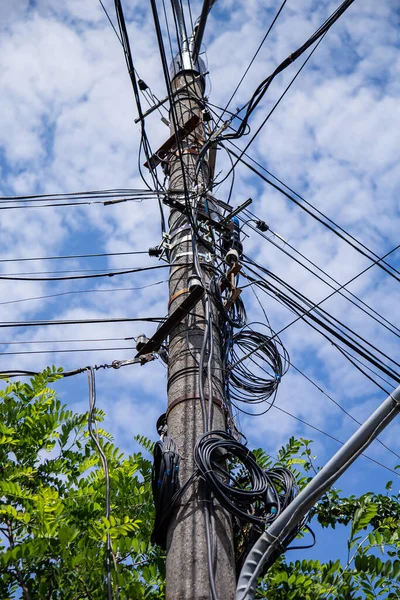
x: 107, y: 290
x: 283, y: 249
x: 4, y: 324
x: 66, y: 204
x: 335, y: 291
x: 118, y: 339
x: 109, y: 195
x: 70, y: 277
x: 331, y: 325
x: 65, y: 351
x: 243, y: 152
x: 110, y: 21
x: 59, y: 271
x: 332, y: 438
x: 320, y: 220
x: 253, y: 59
x: 68, y: 256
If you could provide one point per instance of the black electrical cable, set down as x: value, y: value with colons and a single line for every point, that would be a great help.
x: 165, y: 485
x: 236, y: 314
x: 331, y: 225
x: 69, y: 256
x: 381, y: 320
x: 326, y: 434
x: 70, y: 277
x: 210, y: 455
x: 4, y: 324
x: 329, y: 319
x: 270, y: 113
x: 254, y: 496
x: 106, y: 195
x: 74, y: 341
x: 93, y: 291
x: 328, y: 323
x: 264, y: 85
x: 254, y: 57
x: 144, y: 143
x: 69, y: 204
x: 58, y: 272
x: 246, y: 385
x: 110, y: 21
x: 66, y: 351
x: 319, y: 388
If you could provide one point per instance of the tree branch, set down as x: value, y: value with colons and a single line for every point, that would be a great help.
x: 20, y: 577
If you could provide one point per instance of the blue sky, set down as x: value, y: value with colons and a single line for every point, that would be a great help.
x: 68, y: 111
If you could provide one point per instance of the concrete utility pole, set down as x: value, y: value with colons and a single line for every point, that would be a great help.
x: 187, y: 561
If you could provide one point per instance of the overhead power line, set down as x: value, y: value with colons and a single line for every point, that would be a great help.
x: 94, y: 276
x: 93, y: 291
x: 345, y: 293
x: 66, y: 351
x: 332, y: 437
x: 318, y: 386
x: 88, y: 195
x: 21, y: 342
x: 261, y: 90
x: 331, y: 225
x: 72, y: 256
x: 253, y: 58
x: 5, y: 324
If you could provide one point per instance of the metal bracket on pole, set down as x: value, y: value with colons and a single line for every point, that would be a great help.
x: 164, y: 100
x: 201, y: 215
x: 170, y: 144
x: 173, y: 320
x: 237, y: 210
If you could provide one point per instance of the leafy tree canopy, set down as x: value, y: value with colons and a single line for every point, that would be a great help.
x: 53, y: 529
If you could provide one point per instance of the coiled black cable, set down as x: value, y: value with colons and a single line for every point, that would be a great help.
x: 270, y: 361
x: 165, y: 485
x: 237, y: 490
x: 236, y: 315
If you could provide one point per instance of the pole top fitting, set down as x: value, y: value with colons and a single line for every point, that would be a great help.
x: 184, y: 63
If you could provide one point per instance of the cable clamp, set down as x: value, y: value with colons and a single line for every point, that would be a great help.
x: 181, y: 240
x: 205, y: 256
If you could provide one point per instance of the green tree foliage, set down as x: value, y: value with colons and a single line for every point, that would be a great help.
x: 372, y: 569
x: 53, y: 528
x: 52, y: 504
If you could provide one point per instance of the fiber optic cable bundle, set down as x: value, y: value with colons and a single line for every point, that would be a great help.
x: 165, y: 485
x: 256, y: 365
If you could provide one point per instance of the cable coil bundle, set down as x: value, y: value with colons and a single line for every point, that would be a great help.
x: 245, y: 385
x: 165, y: 484
x: 210, y: 455
x: 235, y: 315
x: 253, y: 496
